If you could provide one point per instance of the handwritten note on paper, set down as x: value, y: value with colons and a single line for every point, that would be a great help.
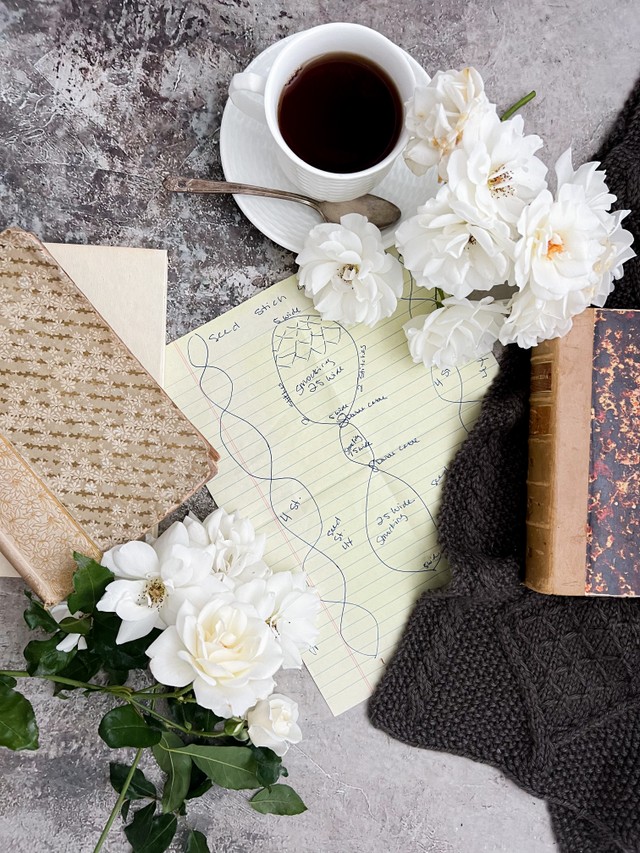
x: 336, y: 445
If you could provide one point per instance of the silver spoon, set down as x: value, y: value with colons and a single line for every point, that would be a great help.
x: 377, y: 210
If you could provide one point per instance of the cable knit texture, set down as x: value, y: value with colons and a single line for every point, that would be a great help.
x: 546, y: 688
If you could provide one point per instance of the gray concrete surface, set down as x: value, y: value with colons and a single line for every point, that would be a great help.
x: 99, y: 100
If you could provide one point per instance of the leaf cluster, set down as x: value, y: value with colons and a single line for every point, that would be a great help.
x: 99, y: 629
x: 190, y: 770
x: 18, y: 726
x: 194, y: 748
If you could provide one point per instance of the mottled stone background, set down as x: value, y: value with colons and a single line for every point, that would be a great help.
x: 98, y: 100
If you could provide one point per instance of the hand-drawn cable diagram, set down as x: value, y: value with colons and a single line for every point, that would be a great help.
x: 336, y: 446
x: 308, y: 342
x: 320, y: 370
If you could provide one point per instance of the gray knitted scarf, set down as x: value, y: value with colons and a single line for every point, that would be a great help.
x: 545, y: 688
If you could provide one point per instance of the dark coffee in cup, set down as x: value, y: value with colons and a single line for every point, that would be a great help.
x: 341, y: 113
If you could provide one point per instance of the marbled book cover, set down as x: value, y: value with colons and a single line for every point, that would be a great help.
x: 613, y: 540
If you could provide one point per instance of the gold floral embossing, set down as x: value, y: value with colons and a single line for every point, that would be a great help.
x: 87, y: 418
x: 37, y: 525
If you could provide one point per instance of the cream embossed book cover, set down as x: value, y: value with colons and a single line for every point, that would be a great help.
x: 128, y: 286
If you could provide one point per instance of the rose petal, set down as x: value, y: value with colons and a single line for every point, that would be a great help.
x: 133, y: 560
x: 166, y: 664
x: 134, y: 630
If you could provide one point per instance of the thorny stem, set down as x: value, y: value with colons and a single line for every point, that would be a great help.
x: 514, y: 109
x: 116, y: 809
x: 121, y: 692
x: 71, y: 682
x: 127, y: 695
x: 176, y: 694
x: 173, y: 724
x: 143, y: 694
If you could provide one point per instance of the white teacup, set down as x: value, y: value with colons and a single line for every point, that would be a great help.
x: 259, y: 97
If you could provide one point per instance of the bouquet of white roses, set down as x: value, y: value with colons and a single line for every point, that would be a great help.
x: 201, y: 609
x: 491, y: 221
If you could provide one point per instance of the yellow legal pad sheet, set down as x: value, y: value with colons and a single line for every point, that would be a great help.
x: 335, y: 444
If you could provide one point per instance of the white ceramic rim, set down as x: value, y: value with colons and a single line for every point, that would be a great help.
x: 258, y: 210
x: 274, y: 85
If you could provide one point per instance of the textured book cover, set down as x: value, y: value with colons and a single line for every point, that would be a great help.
x: 104, y: 453
x: 583, y: 523
x: 128, y: 287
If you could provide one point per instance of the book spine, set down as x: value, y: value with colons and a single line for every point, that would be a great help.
x: 37, y: 534
x: 559, y: 449
x: 541, y: 466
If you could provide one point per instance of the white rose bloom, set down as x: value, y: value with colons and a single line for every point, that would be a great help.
x: 459, y: 332
x: 561, y: 243
x: 617, y: 242
x: 236, y: 549
x: 494, y: 169
x: 589, y: 178
x: 448, y: 245
x: 570, y: 252
x: 198, y: 536
x: 345, y: 270
x: 617, y: 251
x: 70, y: 641
x: 533, y: 320
x: 225, y: 649
x: 153, y: 580
x: 438, y: 114
x: 274, y: 723
x: 290, y: 608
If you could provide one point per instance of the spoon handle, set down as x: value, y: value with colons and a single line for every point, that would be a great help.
x: 196, y: 185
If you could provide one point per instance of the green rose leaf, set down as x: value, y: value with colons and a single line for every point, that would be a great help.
x: 36, y: 616
x: 140, y: 825
x: 8, y: 680
x: 89, y: 583
x: 118, y: 659
x: 269, y: 766
x: 18, y: 727
x: 199, y: 783
x: 228, y: 766
x: 192, y: 716
x: 139, y: 786
x: 71, y: 625
x: 149, y: 834
x: 82, y: 667
x: 278, y: 799
x: 178, y: 769
x: 115, y: 676
x: 122, y: 726
x: 44, y: 659
x: 196, y: 843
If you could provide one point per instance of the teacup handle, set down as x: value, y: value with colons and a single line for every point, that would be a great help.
x: 242, y: 88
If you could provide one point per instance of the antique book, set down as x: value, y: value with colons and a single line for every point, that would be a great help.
x: 93, y: 452
x: 583, y: 516
x: 128, y: 286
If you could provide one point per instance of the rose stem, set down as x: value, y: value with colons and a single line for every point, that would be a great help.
x: 514, y: 109
x: 119, y: 802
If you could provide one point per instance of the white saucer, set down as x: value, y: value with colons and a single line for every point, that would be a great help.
x: 248, y: 155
